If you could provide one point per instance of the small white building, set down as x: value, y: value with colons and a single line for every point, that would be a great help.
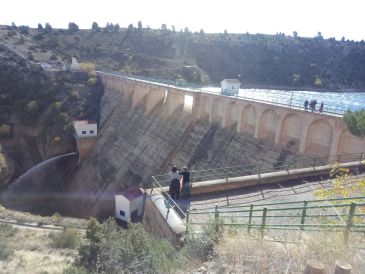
x: 230, y: 86
x: 75, y: 66
x: 85, y: 128
x: 129, y: 204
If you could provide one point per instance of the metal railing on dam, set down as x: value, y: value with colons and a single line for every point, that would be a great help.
x: 292, y: 103
x: 260, y: 168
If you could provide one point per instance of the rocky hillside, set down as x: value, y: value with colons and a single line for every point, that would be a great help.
x: 258, y: 60
x: 36, y: 110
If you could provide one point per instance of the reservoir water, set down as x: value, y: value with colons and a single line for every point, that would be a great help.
x: 333, y: 101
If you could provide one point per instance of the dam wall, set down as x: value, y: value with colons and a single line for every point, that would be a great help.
x: 140, y: 137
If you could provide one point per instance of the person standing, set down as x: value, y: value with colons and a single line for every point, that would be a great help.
x: 306, y: 103
x: 174, y: 189
x: 186, y: 183
x: 321, y: 107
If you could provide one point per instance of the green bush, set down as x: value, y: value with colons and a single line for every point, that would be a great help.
x: 68, y: 238
x: 91, y: 81
x: 110, y: 249
x: 5, y: 130
x: 355, y: 122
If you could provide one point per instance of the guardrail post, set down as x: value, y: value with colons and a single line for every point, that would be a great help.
x: 304, y: 212
x: 259, y: 171
x: 187, y: 221
x: 314, y: 162
x: 216, y: 217
x: 338, y: 158
x: 360, y: 156
x: 349, y: 221
x: 250, y: 218
x: 263, y: 222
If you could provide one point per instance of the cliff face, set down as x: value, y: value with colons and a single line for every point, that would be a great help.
x: 131, y: 147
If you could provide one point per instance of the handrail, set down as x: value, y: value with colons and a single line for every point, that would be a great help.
x: 280, y: 203
x: 170, y: 202
x: 260, y: 168
x: 290, y: 103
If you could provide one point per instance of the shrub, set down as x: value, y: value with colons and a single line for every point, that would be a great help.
x: 355, y: 122
x: 5, y: 130
x: 58, y: 105
x: 56, y: 217
x: 91, y: 81
x: 110, y: 249
x: 56, y: 139
x: 68, y: 238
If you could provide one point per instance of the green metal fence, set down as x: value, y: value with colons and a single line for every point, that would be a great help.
x: 340, y: 214
x: 260, y: 168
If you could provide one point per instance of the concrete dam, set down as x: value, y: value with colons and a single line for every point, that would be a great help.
x: 146, y: 127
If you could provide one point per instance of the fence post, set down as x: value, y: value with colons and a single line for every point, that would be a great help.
x: 338, y: 158
x: 349, y: 221
x: 216, y: 216
x: 314, y: 267
x: 304, y: 212
x: 314, y: 162
x: 263, y: 222
x: 187, y: 221
x: 342, y: 268
x: 250, y: 218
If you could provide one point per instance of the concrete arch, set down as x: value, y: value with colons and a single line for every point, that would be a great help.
x: 248, y: 119
x: 349, y: 143
x: 218, y: 111
x: 268, y: 125
x: 204, y: 108
x: 232, y: 115
x: 291, y: 131
x: 319, y: 138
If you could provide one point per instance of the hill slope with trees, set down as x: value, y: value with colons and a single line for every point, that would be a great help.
x: 258, y: 60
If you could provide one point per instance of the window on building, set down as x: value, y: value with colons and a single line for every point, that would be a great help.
x: 122, y: 213
x: 83, y: 132
x: 91, y: 132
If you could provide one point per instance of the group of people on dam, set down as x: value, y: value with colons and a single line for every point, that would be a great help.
x: 179, y: 180
x: 312, y: 105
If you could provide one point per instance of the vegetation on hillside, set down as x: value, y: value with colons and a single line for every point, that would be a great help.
x: 256, y: 59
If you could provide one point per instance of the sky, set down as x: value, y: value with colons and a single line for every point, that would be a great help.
x: 333, y: 18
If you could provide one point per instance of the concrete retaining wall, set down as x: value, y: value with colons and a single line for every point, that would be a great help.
x: 160, y: 222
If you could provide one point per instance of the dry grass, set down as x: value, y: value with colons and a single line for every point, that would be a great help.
x: 33, y: 253
x: 242, y: 254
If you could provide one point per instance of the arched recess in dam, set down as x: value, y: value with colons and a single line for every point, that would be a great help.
x: 349, y: 143
x: 248, y: 119
x: 218, y: 111
x: 292, y: 128
x: 319, y: 138
x: 267, y: 125
x: 204, y: 108
x: 232, y: 115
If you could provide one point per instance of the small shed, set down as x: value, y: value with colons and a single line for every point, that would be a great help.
x: 230, y: 86
x: 129, y: 204
x: 85, y: 128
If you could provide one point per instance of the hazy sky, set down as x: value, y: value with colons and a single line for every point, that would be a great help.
x: 333, y: 18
